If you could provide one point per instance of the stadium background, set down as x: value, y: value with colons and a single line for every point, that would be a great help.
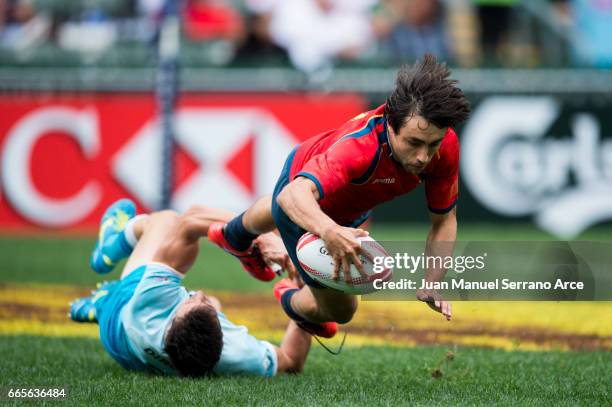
x: 172, y: 104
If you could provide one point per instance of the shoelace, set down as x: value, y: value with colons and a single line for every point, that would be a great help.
x: 333, y: 352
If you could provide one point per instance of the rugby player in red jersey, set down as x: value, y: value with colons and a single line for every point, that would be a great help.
x: 330, y: 183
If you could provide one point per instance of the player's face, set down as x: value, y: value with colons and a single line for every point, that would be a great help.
x: 416, y: 143
x: 197, y: 299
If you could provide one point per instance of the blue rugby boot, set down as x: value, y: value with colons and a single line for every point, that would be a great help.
x: 84, y: 309
x: 111, y: 246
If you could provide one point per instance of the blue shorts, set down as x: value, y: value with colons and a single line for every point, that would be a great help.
x: 289, y: 231
x: 108, y: 312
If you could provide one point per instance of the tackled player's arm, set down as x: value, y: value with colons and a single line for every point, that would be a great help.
x: 294, y: 349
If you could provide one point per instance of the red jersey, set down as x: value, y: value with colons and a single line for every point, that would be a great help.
x: 354, y: 170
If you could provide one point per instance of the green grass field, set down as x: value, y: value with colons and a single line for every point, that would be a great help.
x: 369, y: 376
x: 362, y: 375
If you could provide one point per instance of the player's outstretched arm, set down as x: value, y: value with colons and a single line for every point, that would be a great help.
x: 294, y: 349
x: 440, y: 242
x: 299, y: 200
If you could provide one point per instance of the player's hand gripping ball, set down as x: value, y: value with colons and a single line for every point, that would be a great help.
x: 319, y: 265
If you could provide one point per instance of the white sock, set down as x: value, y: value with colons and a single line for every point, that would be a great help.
x: 128, y: 231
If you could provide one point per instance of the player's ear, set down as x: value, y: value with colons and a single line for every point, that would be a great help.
x: 390, y: 129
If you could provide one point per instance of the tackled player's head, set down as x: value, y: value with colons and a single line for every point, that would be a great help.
x: 194, y: 340
x: 424, y: 104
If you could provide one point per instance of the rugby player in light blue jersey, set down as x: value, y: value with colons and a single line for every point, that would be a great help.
x: 149, y: 322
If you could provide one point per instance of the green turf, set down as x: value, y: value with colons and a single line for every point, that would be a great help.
x: 369, y: 376
x: 360, y: 376
x: 61, y: 259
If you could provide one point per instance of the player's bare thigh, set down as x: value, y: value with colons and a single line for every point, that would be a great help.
x: 155, y: 229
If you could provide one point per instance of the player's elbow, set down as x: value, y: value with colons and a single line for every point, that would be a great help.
x: 295, y: 191
x: 284, y: 198
x: 292, y: 365
x: 296, y: 367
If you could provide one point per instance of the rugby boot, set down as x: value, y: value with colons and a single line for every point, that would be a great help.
x: 322, y: 329
x: 112, y: 246
x: 251, y: 259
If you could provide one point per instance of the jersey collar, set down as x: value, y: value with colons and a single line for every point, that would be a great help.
x: 383, y: 138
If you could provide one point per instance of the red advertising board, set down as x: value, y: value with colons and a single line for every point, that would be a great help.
x: 64, y: 158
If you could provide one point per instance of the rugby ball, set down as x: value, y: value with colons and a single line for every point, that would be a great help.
x: 316, y: 261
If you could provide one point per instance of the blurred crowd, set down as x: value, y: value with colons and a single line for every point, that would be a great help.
x: 314, y: 35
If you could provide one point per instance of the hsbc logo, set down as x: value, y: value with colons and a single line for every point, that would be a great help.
x: 515, y: 168
x: 81, y: 125
x: 212, y: 137
x: 237, y: 154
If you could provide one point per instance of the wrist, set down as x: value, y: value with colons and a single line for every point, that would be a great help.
x: 326, y: 229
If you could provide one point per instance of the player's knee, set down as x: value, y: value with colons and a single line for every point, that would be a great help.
x: 197, y: 209
x: 162, y: 221
x: 297, y: 366
x: 282, y: 198
x: 166, y: 216
x: 343, y: 313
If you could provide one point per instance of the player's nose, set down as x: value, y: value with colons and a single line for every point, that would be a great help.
x: 422, y: 156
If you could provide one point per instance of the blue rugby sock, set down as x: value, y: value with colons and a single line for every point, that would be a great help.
x: 286, y: 304
x: 237, y: 235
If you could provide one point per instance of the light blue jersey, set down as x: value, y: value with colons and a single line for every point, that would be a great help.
x: 149, y: 314
x: 243, y: 353
x: 136, y: 318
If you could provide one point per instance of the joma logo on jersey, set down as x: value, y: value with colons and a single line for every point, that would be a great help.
x: 157, y: 356
x: 384, y: 181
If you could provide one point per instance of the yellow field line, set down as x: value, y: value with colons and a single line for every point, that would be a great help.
x: 42, y: 310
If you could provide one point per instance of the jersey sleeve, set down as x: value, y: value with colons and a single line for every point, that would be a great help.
x: 442, y: 183
x: 346, y: 160
x: 242, y: 353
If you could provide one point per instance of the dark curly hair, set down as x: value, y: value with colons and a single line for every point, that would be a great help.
x: 424, y: 89
x: 194, y: 342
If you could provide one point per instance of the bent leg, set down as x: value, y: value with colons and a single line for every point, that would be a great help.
x: 323, y: 305
x: 244, y: 228
x: 151, y: 232
x: 172, y: 239
x: 179, y: 249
